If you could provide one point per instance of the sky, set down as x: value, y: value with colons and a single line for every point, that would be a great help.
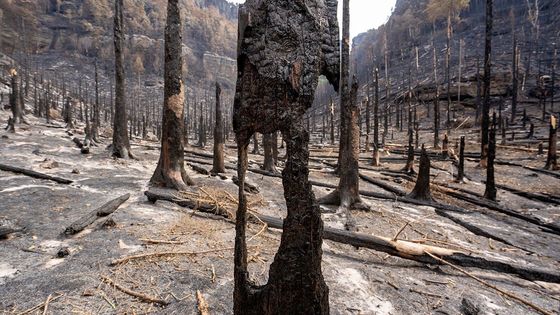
x: 364, y: 14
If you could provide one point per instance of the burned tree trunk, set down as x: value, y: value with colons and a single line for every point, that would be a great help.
x: 436, y: 101
x: 461, y: 166
x: 422, y: 190
x: 170, y: 171
x: 409, y: 167
x: 218, y: 163
x: 95, y: 116
x: 490, y: 191
x: 255, y: 144
x: 551, y: 160
x: 376, y: 121
x: 10, y: 127
x: 515, y: 79
x: 445, y: 147
x: 201, y: 132
x: 486, y: 89
x: 332, y: 120
x: 347, y: 194
x: 121, y: 145
x: 271, y: 102
x: 269, y: 164
x: 15, y: 102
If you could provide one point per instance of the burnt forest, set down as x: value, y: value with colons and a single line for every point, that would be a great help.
x: 268, y: 157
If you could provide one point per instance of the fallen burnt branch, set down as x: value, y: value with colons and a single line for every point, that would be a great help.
x: 199, y: 169
x: 5, y: 231
x: 34, y: 174
x: 89, y: 218
x: 155, y: 194
x: 414, y: 251
x: 553, y: 228
x: 140, y: 296
x: 529, y: 195
x: 477, y: 230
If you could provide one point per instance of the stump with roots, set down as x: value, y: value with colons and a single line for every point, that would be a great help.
x: 276, y: 85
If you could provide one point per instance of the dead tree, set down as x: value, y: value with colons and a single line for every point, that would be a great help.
x: 490, y: 191
x: 201, y: 132
x: 461, y: 165
x: 218, y: 162
x: 273, y: 92
x: 409, y: 167
x: 15, y: 99
x: 331, y: 104
x: 486, y: 86
x: 515, y: 78
x: 255, y: 144
x: 121, y: 144
x: 445, y: 147
x: 11, y: 126
x: 269, y: 164
x: 436, y: 100
x: 95, y: 116
x: 347, y: 194
x: 376, y: 120
x: 421, y: 189
x: 551, y: 160
x: 170, y: 171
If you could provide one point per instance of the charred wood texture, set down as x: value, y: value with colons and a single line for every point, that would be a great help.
x: 422, y: 190
x: 490, y: 191
x: 275, y: 86
x: 551, y: 160
x: 170, y: 171
x: 218, y: 163
x: 16, y: 103
x: 30, y: 173
x: 461, y: 166
x: 89, y: 218
x: 486, y: 84
x: 121, y: 144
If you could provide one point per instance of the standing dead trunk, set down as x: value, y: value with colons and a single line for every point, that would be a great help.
x: 515, y: 80
x: 15, y: 102
x: 490, y: 191
x: 255, y: 144
x: 551, y: 160
x: 409, y: 167
x: 95, y: 117
x: 448, y: 70
x: 121, y: 144
x: 332, y: 120
x: 170, y: 171
x: 422, y: 190
x: 461, y: 167
x: 436, y: 100
x: 486, y: 89
x: 376, y: 120
x: 269, y: 161
x: 347, y: 194
x: 445, y: 147
x: 218, y: 163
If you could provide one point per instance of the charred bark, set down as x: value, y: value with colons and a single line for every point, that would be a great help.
x: 461, y: 166
x: 121, y: 144
x: 422, y: 190
x: 170, y: 171
x: 486, y: 87
x: 551, y: 160
x: 218, y: 163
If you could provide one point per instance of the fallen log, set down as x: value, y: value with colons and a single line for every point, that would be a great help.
x: 379, y: 183
x: 154, y: 194
x: 400, y: 248
x: 89, y: 218
x: 34, y: 174
x: 199, y: 169
x: 529, y: 195
x: 554, y: 228
x: 5, y: 231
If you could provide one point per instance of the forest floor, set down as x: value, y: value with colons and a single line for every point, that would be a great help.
x: 361, y: 281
